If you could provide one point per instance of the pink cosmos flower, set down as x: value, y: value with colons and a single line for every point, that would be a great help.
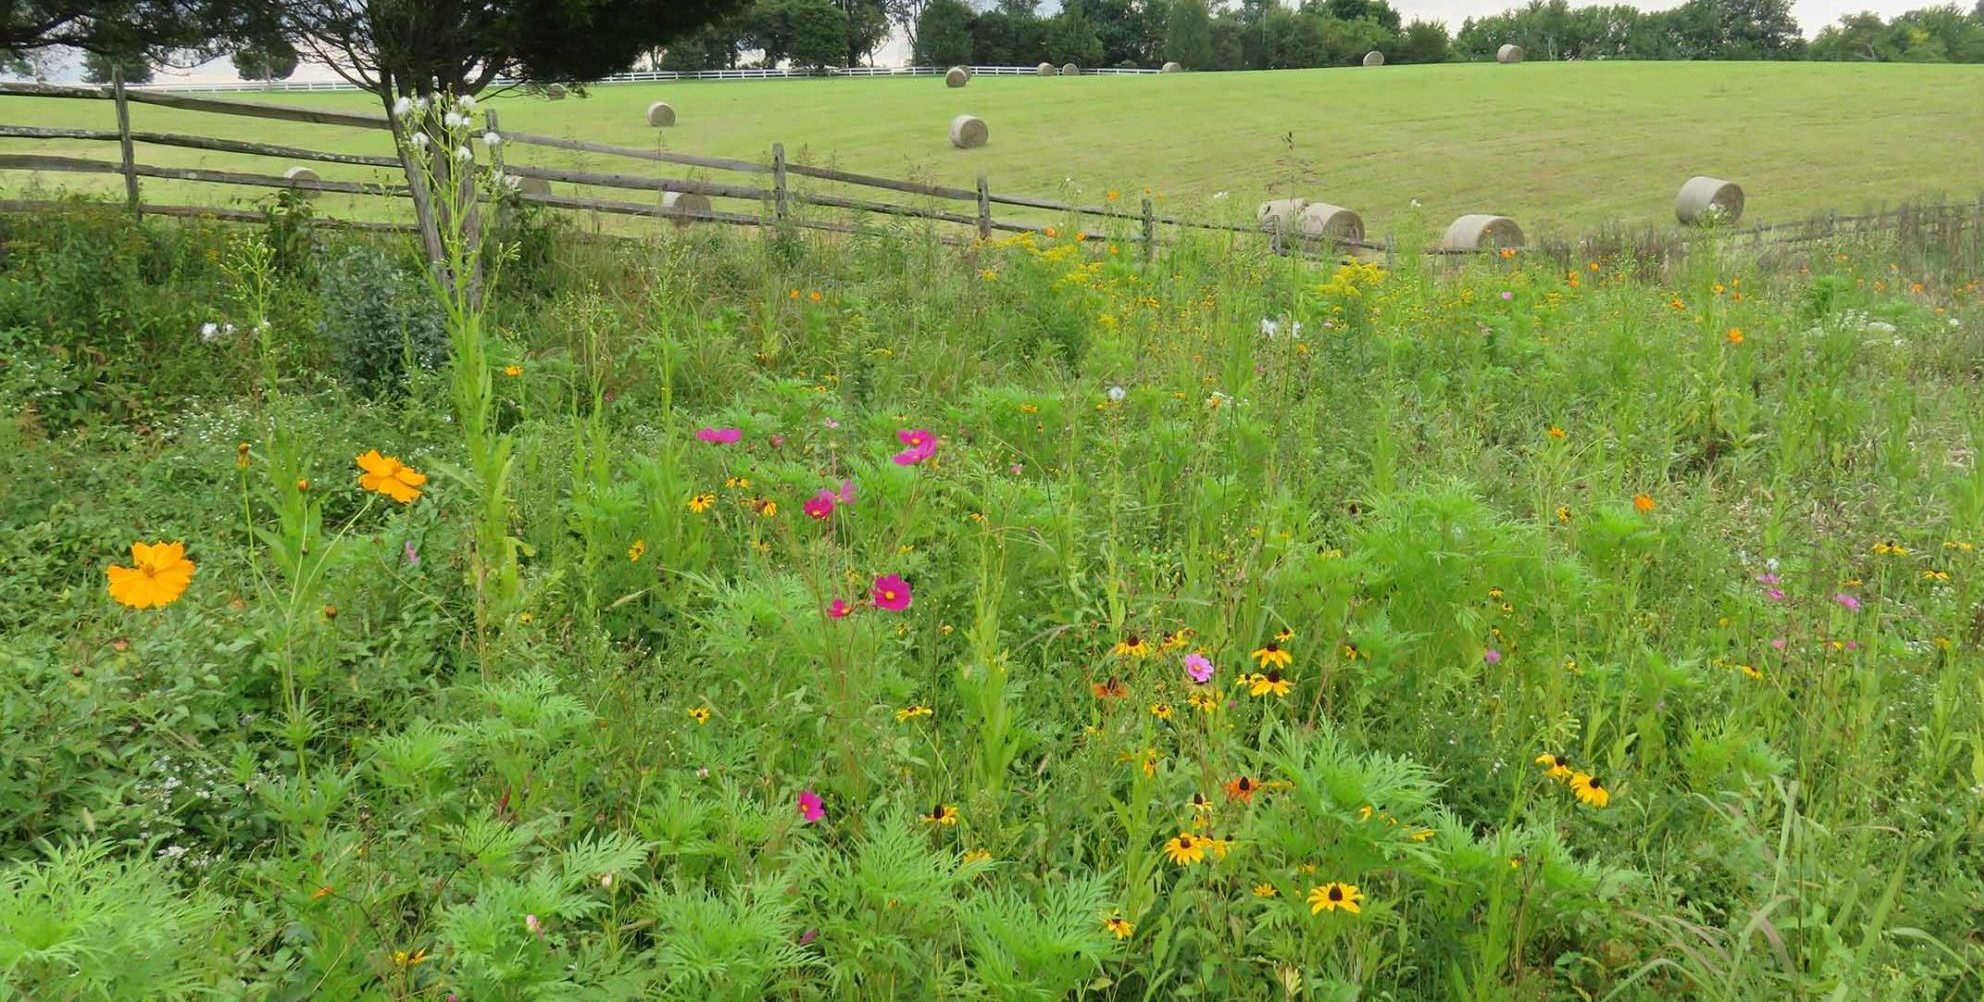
x: 832, y: 425
x: 1774, y: 594
x: 1197, y: 666
x: 846, y: 493
x: 777, y: 440
x: 1492, y: 656
x: 1767, y: 579
x: 807, y: 936
x: 719, y: 436
x: 1508, y: 296
x: 811, y: 807
x: 535, y: 926
x: 1847, y: 602
x: 820, y: 506
x: 891, y: 593
x: 1777, y: 643
x: 839, y: 609
x: 922, y: 445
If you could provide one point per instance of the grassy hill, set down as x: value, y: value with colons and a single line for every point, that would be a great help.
x: 1559, y: 144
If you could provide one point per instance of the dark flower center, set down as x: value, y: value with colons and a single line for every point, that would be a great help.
x: 1336, y: 893
x: 1274, y: 675
x: 1245, y: 784
x: 1560, y: 761
x: 1594, y: 783
x: 1271, y: 648
x: 1184, y: 841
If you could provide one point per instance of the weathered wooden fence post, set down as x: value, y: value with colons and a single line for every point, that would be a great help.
x: 1150, y: 230
x: 984, y: 209
x: 124, y: 140
x: 778, y: 181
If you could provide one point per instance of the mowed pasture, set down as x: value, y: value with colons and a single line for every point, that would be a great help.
x: 1555, y: 145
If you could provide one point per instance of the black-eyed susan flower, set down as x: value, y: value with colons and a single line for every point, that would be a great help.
x: 1420, y: 835
x: 1590, y: 790
x: 1351, y: 653
x: 1265, y: 890
x: 1270, y: 683
x: 1203, y: 700
x: 1284, y: 635
x: 1555, y: 766
x: 1271, y: 655
x: 1218, y: 846
x: 700, y: 714
x: 942, y: 814
x: 1161, y: 711
x: 976, y: 856
x: 1185, y: 849
x: 1564, y: 513
x: 737, y: 483
x: 1133, y: 646
x: 1333, y: 896
x: 1176, y: 639
x: 1112, y: 689
x: 1200, y: 805
x: 1890, y: 548
x: 404, y: 960
x: 912, y: 711
x: 1241, y: 788
x: 1118, y: 926
x: 637, y: 550
x: 1751, y: 671
x: 703, y: 502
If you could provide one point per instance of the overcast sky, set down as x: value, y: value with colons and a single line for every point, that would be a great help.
x: 1811, y: 14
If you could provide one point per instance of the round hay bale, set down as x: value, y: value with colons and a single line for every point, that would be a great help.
x: 1280, y: 213
x: 1070, y: 70
x: 675, y: 202
x: 661, y: 114
x: 527, y: 185
x: 300, y: 173
x: 1171, y: 68
x: 1320, y: 222
x: 1705, y: 200
x: 1509, y: 54
x: 555, y: 92
x: 1374, y: 58
x: 957, y: 76
x: 1044, y: 70
x: 1482, y: 231
x: 968, y: 132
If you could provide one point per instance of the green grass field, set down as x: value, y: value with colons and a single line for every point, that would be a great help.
x: 1555, y: 145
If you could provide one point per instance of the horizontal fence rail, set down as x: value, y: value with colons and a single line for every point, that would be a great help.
x: 756, y: 193
x: 638, y: 76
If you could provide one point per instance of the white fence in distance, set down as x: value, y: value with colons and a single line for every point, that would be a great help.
x: 645, y: 76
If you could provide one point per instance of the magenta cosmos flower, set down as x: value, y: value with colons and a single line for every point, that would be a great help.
x: 719, y: 436
x: 1847, y: 602
x: 839, y: 609
x: 811, y: 807
x: 891, y: 593
x: 820, y: 506
x: 1197, y: 666
x: 1492, y: 656
x: 922, y: 445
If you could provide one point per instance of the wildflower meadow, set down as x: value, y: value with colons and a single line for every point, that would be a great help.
x: 739, y: 615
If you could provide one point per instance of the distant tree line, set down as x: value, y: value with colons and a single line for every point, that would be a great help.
x: 1269, y: 34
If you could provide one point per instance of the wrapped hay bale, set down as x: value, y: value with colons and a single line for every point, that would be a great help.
x: 527, y: 185
x: 555, y: 92
x: 1172, y: 68
x: 661, y: 114
x: 1070, y: 70
x: 302, y: 174
x: 674, y: 203
x: 1320, y: 223
x: 1705, y: 200
x: 1509, y: 54
x: 1482, y: 231
x: 1374, y: 58
x: 1044, y: 70
x: 1280, y: 214
x: 957, y: 76
x: 968, y: 132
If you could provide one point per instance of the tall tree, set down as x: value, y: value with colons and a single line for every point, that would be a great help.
x: 265, y: 60
x: 1071, y: 38
x: 1424, y: 42
x: 943, y: 36
x: 1188, y: 34
x: 157, y: 28
x: 100, y: 67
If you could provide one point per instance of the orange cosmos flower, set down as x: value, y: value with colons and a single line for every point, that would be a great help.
x: 159, y: 574
x: 387, y: 475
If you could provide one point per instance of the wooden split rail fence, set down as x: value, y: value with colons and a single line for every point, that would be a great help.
x: 772, y: 192
x: 754, y: 194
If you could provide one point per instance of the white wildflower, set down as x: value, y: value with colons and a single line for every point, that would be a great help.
x: 466, y: 103
x: 453, y: 120
x: 420, y: 139
x: 464, y: 154
x: 1220, y: 195
x: 420, y: 104
x: 491, y: 140
x: 403, y: 107
x: 1116, y: 394
x: 210, y: 332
